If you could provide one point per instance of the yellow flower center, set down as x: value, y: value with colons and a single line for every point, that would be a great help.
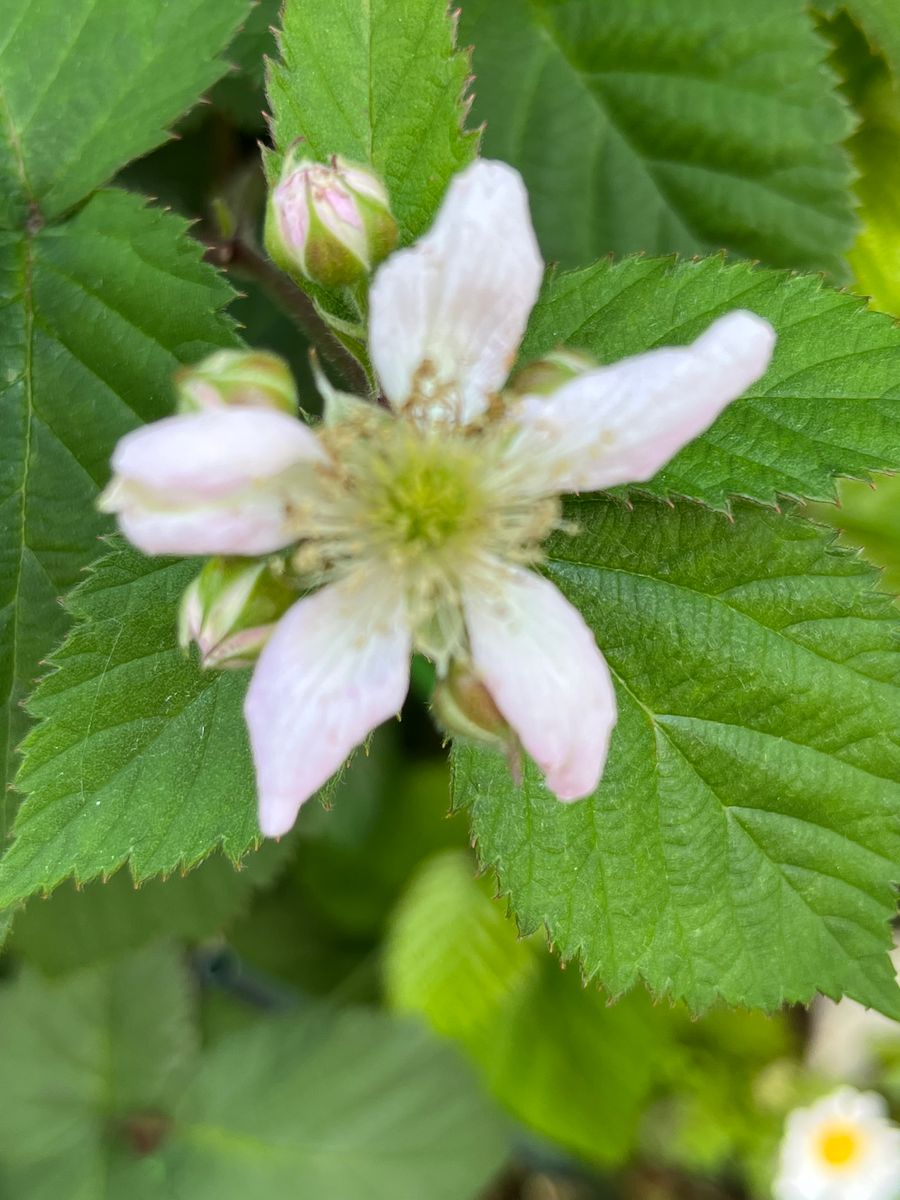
x: 428, y: 504
x: 840, y: 1145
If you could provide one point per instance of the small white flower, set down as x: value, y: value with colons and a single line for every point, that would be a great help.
x: 843, y: 1147
x: 419, y: 524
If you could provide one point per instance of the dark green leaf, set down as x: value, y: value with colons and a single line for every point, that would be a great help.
x: 829, y: 404
x: 659, y: 126
x: 745, y: 836
x: 95, y: 315
x: 87, y: 85
x: 139, y: 755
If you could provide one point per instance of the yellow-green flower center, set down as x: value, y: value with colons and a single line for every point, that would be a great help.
x: 430, y: 505
x: 422, y: 494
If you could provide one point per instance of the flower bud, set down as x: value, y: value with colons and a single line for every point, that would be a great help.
x: 329, y: 223
x: 545, y: 375
x: 230, y: 610
x: 243, y: 378
x: 463, y: 706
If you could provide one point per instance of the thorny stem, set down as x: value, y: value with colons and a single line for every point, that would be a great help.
x: 242, y: 259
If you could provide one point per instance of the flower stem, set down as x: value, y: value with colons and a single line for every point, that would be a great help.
x: 242, y: 259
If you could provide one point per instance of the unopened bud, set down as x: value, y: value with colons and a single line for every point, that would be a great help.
x: 329, y: 223
x: 545, y: 375
x: 463, y: 706
x: 230, y: 610
x: 242, y: 378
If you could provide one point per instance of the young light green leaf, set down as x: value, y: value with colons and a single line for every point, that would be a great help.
x: 452, y: 954
x: 76, y: 927
x: 667, y: 127
x: 95, y: 315
x: 743, y: 842
x: 90, y: 84
x: 400, y: 103
x: 140, y: 756
x: 551, y: 1049
x: 829, y: 404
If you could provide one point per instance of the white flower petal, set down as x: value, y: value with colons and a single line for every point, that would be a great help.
x: 871, y: 1172
x: 256, y: 523
x: 539, y: 661
x: 336, y: 666
x: 623, y: 423
x: 459, y: 299
x: 213, y: 453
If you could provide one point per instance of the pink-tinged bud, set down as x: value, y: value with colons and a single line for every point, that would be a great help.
x: 463, y: 707
x: 242, y: 378
x: 231, y: 609
x: 543, y: 376
x: 329, y: 223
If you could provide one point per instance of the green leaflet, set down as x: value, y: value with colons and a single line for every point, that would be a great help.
x: 327, y: 1104
x: 651, y: 125
x: 400, y: 101
x: 552, y: 1051
x: 90, y: 84
x: 335, y: 1105
x: 112, y: 1041
x: 829, y: 404
x: 95, y: 314
x: 745, y: 836
x: 139, y: 755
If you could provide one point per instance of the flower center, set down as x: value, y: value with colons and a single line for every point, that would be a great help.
x: 430, y: 504
x: 425, y: 495
x: 840, y: 1145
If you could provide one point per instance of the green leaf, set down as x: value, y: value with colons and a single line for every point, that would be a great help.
x: 77, y: 927
x: 81, y: 1058
x: 105, y: 1095
x: 95, y: 315
x: 875, y: 146
x: 551, y: 1050
x: 661, y: 127
x: 337, y: 1106
x: 453, y: 955
x: 139, y: 755
x: 400, y: 104
x: 830, y: 402
x: 88, y: 85
x: 880, y: 21
x: 745, y: 836
x: 241, y: 95
x: 869, y: 517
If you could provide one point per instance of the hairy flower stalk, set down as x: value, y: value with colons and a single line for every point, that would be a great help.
x: 418, y: 527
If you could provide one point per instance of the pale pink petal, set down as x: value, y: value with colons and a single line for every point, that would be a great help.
x: 212, y: 453
x: 456, y: 304
x: 539, y: 661
x: 623, y: 423
x: 256, y: 523
x: 336, y: 666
